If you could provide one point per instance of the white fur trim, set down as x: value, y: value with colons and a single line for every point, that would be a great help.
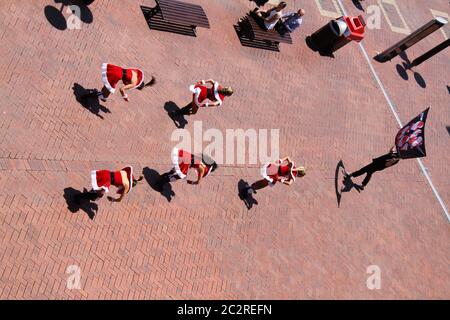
x: 176, y: 164
x: 292, y: 168
x: 105, y: 78
x: 216, y: 93
x: 94, y: 182
x: 196, y: 92
x: 264, y: 173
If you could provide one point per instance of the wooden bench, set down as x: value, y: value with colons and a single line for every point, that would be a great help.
x: 267, y: 35
x: 182, y: 14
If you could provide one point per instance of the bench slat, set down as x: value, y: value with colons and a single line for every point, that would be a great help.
x: 180, y: 12
x: 187, y: 17
x: 157, y: 22
x: 271, y: 35
x: 179, y: 4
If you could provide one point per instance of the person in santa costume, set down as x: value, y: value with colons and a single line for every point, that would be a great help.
x: 132, y: 78
x: 204, y: 96
x: 183, y: 161
x: 102, y: 180
x: 282, y: 170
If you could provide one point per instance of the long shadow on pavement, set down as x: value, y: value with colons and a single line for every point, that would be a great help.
x: 248, y: 199
x: 311, y: 45
x: 402, y: 70
x: 56, y: 16
x: 348, y: 184
x: 77, y: 200
x: 89, y: 100
x: 153, y: 178
x: 179, y: 121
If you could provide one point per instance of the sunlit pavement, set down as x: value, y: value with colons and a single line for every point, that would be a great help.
x: 295, y: 243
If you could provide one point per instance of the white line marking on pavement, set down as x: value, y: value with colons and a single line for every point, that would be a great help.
x: 399, y: 122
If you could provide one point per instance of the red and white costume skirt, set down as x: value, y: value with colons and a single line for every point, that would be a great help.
x: 112, y: 74
x: 181, y: 161
x: 101, y: 179
x: 270, y: 172
x: 201, y: 94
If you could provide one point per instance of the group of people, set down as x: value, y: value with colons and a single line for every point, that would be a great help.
x: 205, y: 94
x: 274, y: 18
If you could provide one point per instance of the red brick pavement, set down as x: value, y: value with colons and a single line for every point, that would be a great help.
x: 205, y: 243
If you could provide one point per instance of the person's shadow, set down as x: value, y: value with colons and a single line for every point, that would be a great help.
x: 248, y: 199
x: 358, y: 4
x: 179, y: 120
x: 77, y: 200
x: 89, y: 100
x: 153, y: 179
x: 56, y: 16
x: 348, y: 184
x: 402, y: 70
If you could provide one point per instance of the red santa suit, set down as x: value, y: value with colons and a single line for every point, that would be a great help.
x: 273, y: 171
x: 112, y: 74
x: 183, y: 161
x: 201, y: 94
x: 103, y: 179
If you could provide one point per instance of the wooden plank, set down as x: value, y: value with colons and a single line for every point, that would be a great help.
x: 186, y: 17
x: 156, y: 21
x: 272, y: 35
x: 183, y: 13
x: 255, y: 43
x: 182, y: 17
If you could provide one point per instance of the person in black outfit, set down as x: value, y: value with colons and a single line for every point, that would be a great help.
x: 378, y: 164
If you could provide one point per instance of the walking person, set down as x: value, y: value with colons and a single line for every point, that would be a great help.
x: 378, y: 164
x: 132, y: 78
x: 183, y: 161
x: 282, y: 170
x: 204, y: 96
x: 102, y: 180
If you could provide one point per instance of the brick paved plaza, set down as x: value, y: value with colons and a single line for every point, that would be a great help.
x: 296, y: 243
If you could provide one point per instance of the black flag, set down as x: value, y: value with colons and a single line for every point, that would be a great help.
x: 410, y: 140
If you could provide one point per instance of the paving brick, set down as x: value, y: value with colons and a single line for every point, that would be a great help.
x: 296, y: 243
